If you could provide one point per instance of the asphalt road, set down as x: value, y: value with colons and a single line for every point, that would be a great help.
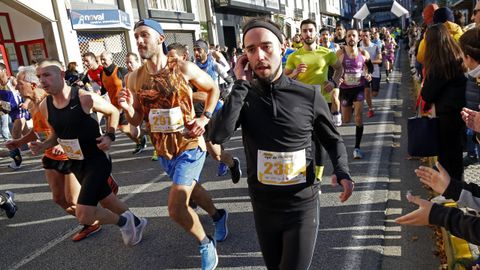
x: 358, y: 234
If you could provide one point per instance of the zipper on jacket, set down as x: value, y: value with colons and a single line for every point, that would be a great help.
x: 274, y: 103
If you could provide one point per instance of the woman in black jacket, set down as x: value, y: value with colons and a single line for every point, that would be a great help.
x: 444, y: 86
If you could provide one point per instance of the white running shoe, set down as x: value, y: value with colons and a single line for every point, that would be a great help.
x: 139, y: 231
x: 337, y: 119
x: 128, y: 229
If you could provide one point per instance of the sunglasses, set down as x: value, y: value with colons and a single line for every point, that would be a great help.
x: 475, y: 12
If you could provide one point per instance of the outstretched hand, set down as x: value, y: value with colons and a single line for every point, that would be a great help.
x: 347, y: 188
x: 418, y: 217
x: 437, y: 180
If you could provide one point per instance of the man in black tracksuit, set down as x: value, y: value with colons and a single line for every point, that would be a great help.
x: 278, y: 116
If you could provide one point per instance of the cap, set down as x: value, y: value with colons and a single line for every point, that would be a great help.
x: 442, y: 15
x: 155, y: 26
x: 202, y: 44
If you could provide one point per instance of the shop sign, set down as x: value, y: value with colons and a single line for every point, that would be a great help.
x: 99, y: 19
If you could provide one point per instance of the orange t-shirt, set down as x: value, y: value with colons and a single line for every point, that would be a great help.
x: 42, y: 129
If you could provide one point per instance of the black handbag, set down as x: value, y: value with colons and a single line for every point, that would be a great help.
x: 423, y: 135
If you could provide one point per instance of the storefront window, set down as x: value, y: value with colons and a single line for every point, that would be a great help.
x: 4, y: 28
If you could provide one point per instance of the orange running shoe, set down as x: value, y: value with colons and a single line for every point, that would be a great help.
x: 113, y: 184
x: 86, y: 232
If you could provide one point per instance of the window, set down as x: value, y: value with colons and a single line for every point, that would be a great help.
x: 170, y: 5
x: 102, y: 2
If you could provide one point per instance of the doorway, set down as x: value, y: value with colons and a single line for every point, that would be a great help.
x: 229, y: 37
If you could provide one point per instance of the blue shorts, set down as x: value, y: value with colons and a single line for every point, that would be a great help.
x: 184, y: 168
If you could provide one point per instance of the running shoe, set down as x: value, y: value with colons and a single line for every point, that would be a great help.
x: 222, y: 169
x: 128, y: 229
x: 154, y: 155
x: 139, y: 231
x: 209, y: 256
x: 113, y: 184
x: 86, y: 231
x: 236, y: 170
x: 141, y: 145
x: 370, y: 113
x: 221, y: 228
x: 357, y: 153
x: 7, y: 203
x: 14, y: 166
x: 337, y: 119
x: 387, y: 80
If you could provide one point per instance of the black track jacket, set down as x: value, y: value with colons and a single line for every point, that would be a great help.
x: 280, y: 117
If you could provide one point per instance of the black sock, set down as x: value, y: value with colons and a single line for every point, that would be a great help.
x: 387, y: 71
x: 136, y: 220
x: 121, y: 221
x: 218, y: 215
x: 205, y: 240
x: 335, y: 113
x: 358, y: 135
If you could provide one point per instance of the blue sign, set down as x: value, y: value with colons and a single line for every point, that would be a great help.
x: 99, y: 19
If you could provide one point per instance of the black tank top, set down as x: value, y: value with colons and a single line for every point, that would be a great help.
x: 72, y: 122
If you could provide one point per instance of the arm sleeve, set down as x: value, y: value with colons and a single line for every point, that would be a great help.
x: 225, y: 121
x: 222, y: 72
x: 466, y: 194
x: 432, y: 89
x: 421, y: 52
x: 330, y: 139
x: 456, y: 222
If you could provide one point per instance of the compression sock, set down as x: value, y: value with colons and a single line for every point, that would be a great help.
x: 121, y: 221
x: 358, y: 135
x: 218, y: 215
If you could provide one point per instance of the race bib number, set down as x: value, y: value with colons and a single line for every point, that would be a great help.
x: 352, y: 79
x: 166, y: 120
x: 281, y: 168
x: 72, y: 148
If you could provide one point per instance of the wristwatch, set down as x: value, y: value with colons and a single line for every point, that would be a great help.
x: 111, y: 135
x: 208, y: 115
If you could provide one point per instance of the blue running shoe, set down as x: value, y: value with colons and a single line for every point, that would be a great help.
x: 209, y: 256
x: 222, y: 169
x: 357, y: 153
x: 221, y: 227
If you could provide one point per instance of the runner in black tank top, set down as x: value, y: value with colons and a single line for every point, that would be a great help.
x: 78, y: 133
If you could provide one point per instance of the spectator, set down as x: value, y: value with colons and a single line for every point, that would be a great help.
x: 452, y: 219
x: 71, y: 74
x: 444, y: 86
x: 470, y: 44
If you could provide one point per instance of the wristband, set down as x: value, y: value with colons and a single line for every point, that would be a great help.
x: 110, y: 135
x: 208, y: 115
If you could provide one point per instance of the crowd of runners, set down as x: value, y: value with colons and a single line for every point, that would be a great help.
x: 288, y: 97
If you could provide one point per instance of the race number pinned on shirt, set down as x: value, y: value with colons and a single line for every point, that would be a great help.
x: 72, y: 148
x: 281, y: 168
x: 352, y: 79
x: 166, y: 120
